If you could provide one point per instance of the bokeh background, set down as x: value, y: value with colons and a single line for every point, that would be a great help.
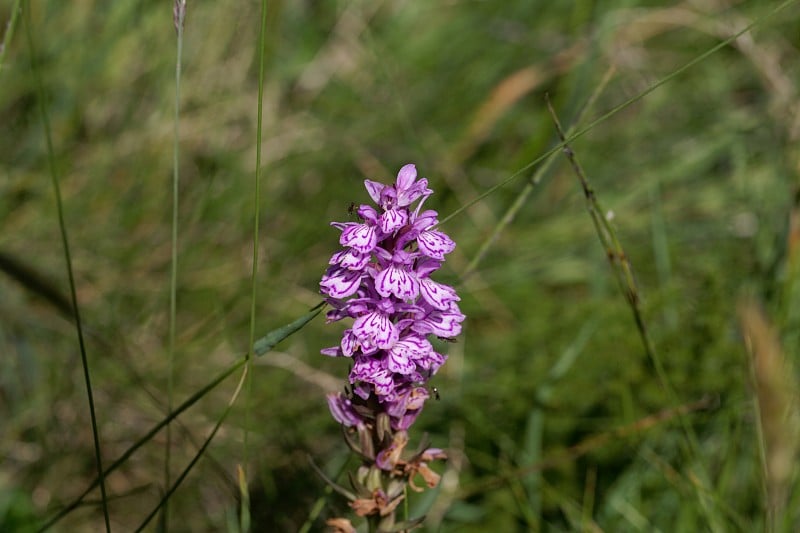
x: 552, y: 412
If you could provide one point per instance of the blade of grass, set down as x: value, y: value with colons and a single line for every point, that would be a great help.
x: 11, y: 25
x: 267, y: 342
x: 593, y: 442
x: 661, y: 251
x: 531, y: 454
x: 200, y: 452
x: 244, y: 527
x: 533, y: 181
x: 179, y: 15
x: 244, y: 494
x: 589, y: 493
x: 689, y: 482
x: 775, y: 408
x: 194, y: 398
x: 616, y: 109
x: 54, y: 178
x: 623, y: 271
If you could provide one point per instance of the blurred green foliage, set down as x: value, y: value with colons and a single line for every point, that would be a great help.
x: 701, y: 176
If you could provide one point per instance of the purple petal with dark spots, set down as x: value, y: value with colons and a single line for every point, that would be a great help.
x: 340, y: 282
x: 441, y: 323
x: 376, y: 327
x: 360, y: 236
x: 354, y: 260
x: 349, y: 343
x: 393, y: 219
x: 438, y: 295
x: 398, y: 281
x: 435, y: 244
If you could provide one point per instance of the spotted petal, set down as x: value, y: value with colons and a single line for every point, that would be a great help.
x: 399, y: 360
x: 354, y: 260
x: 361, y: 237
x: 435, y: 244
x: 405, y: 352
x: 349, y: 343
x: 376, y: 327
x: 370, y: 370
x: 441, y: 323
x: 393, y: 219
x: 383, y: 382
x: 398, y: 281
x: 431, y: 362
x: 437, y: 294
x: 340, y: 282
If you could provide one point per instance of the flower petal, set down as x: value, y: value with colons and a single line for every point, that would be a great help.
x: 383, y: 382
x: 416, y: 190
x: 374, y: 189
x: 340, y: 282
x: 354, y: 260
x: 399, y: 360
x: 393, y: 219
x: 431, y: 362
x: 435, y: 244
x: 342, y: 410
x: 406, y: 177
x: 361, y: 237
x: 441, y: 323
x: 349, y: 343
x: 438, y: 295
x: 376, y: 327
x: 398, y: 281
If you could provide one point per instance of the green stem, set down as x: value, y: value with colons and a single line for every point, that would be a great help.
x: 10, y: 27
x: 54, y: 178
x: 602, y: 118
x: 623, y: 271
x: 179, y: 15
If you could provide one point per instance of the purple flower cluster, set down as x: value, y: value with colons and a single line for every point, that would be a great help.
x: 381, y: 279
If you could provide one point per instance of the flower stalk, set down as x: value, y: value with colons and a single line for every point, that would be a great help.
x: 381, y: 279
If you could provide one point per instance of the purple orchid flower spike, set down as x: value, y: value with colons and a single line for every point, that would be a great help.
x: 381, y: 279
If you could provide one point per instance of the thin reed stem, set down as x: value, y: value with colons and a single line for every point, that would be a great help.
x: 194, y: 398
x: 199, y: 453
x: 179, y: 14
x: 9, y: 33
x: 621, y: 266
x: 614, y: 110
x: 593, y: 442
x: 261, y: 347
x: 54, y: 178
x: 245, y: 511
x: 532, y: 183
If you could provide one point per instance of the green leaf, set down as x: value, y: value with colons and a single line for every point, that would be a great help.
x: 268, y: 341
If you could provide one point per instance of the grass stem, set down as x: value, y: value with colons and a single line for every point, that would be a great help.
x: 62, y: 226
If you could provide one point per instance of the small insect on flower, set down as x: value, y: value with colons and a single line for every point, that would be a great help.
x: 352, y: 210
x: 447, y: 339
x: 436, y: 394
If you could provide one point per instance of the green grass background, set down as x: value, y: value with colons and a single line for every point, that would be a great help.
x: 701, y: 176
